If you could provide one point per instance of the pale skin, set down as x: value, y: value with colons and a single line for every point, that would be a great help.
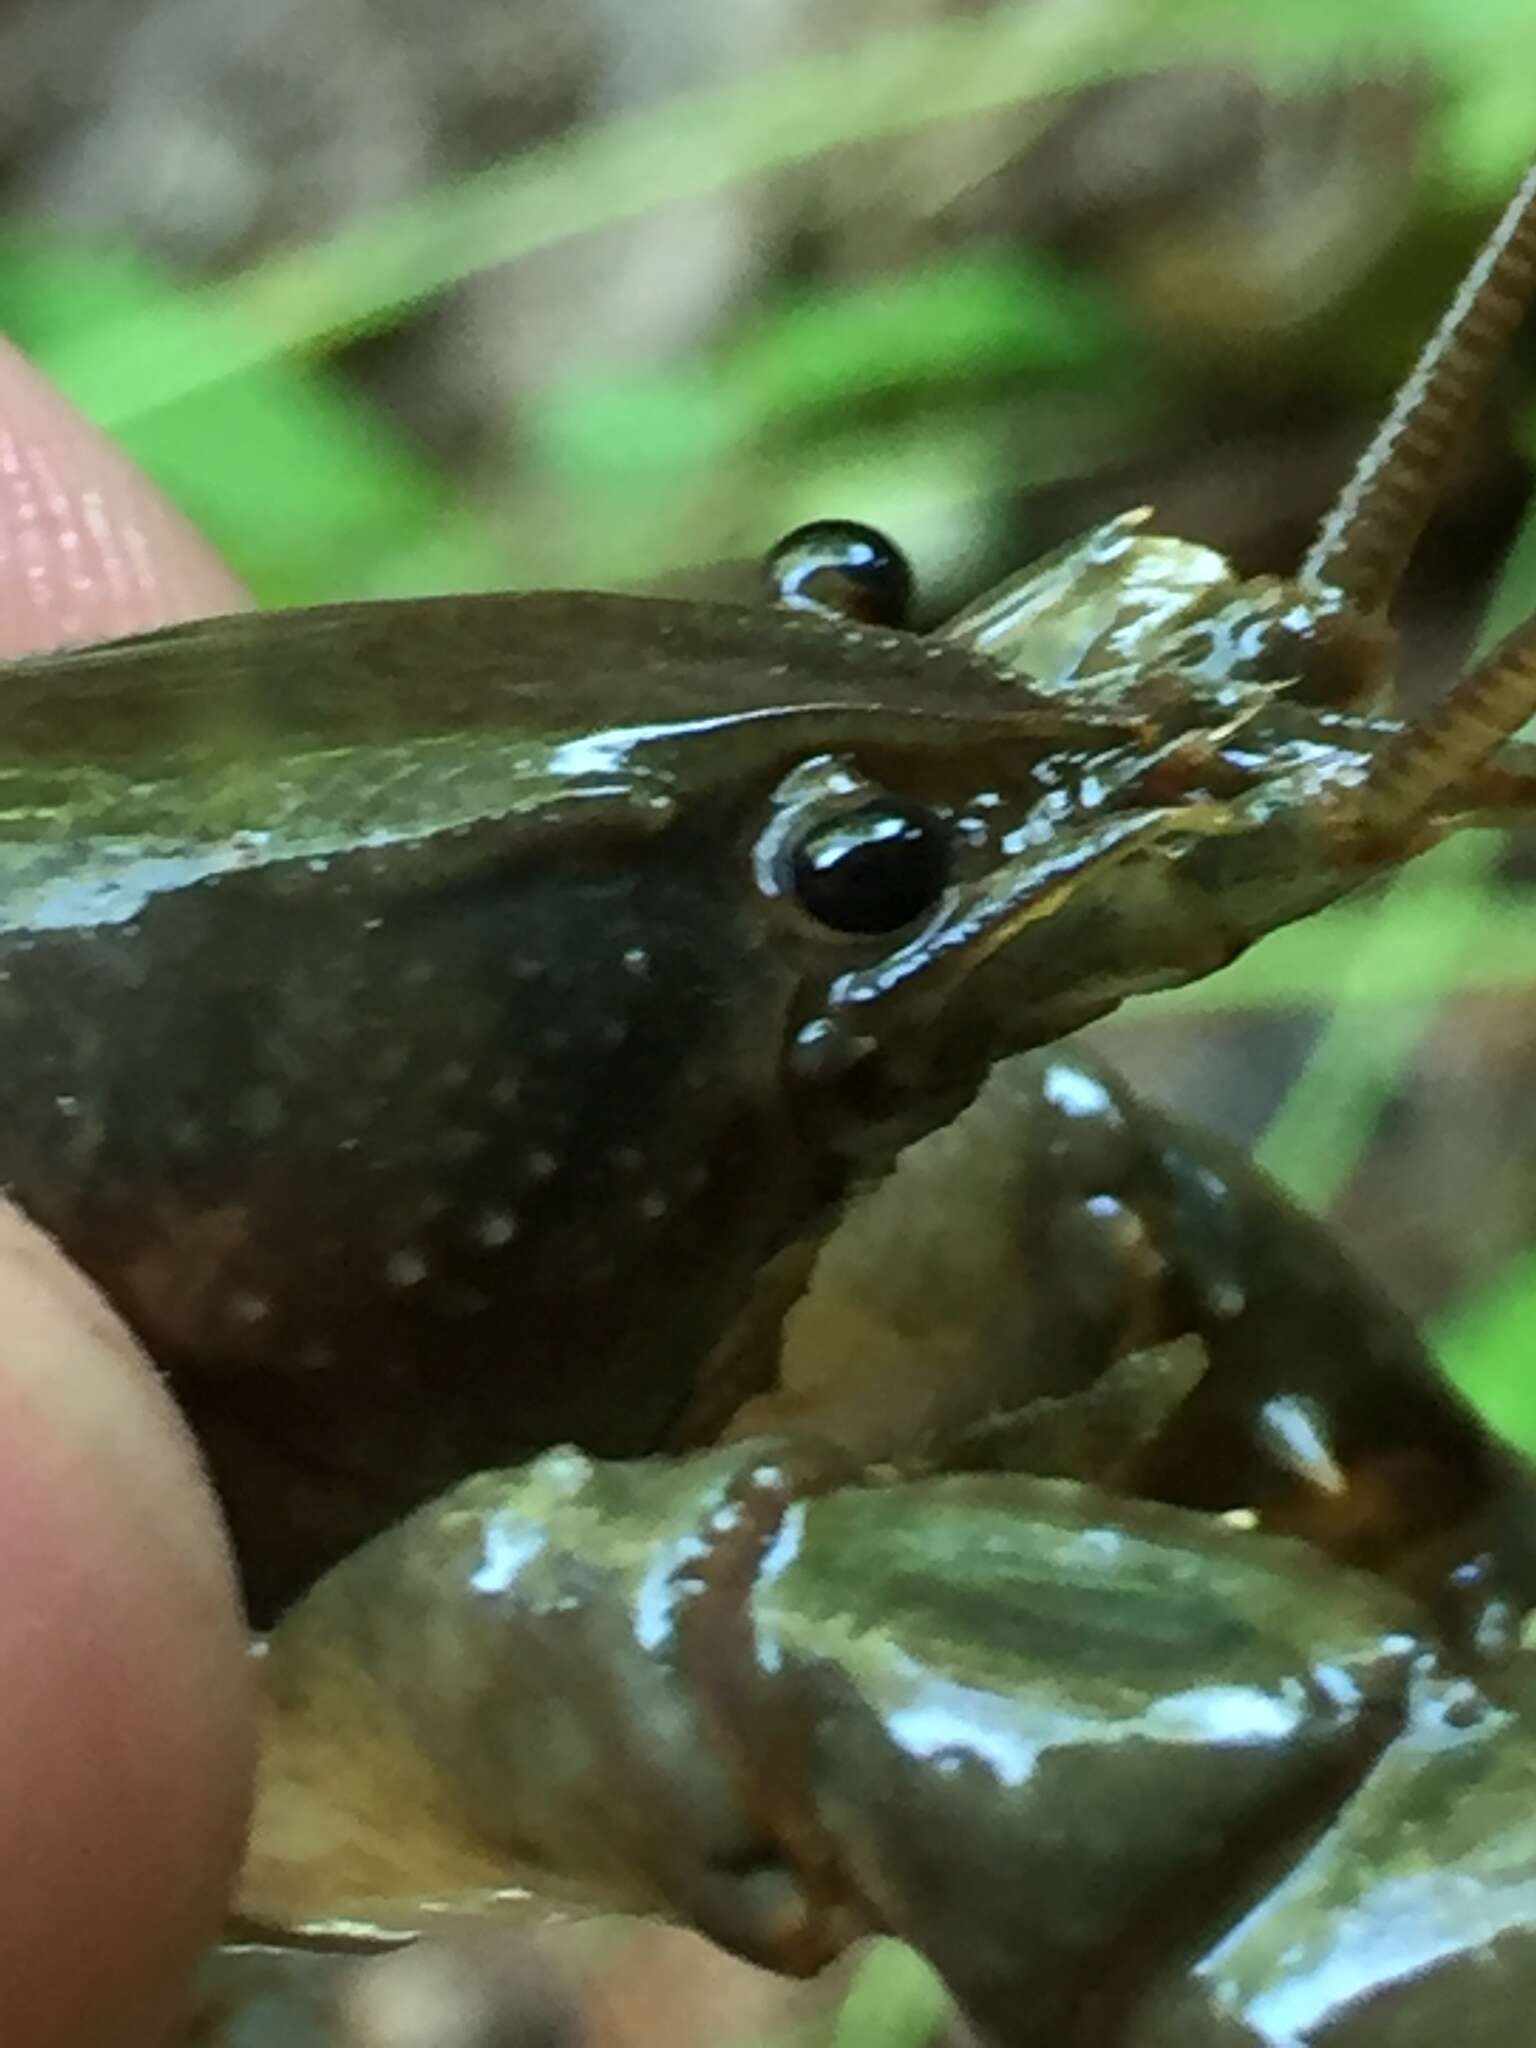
x: 124, y: 1748
x: 126, y: 1710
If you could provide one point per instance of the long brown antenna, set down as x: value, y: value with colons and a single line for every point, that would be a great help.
x: 1487, y: 706
x: 1365, y: 541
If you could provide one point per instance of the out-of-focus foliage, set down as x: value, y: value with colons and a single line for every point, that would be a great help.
x: 297, y: 481
x: 964, y: 361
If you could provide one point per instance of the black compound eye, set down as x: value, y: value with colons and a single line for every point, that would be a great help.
x: 874, y: 869
x: 840, y: 568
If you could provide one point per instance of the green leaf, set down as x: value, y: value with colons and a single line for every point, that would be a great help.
x: 302, y: 487
x: 940, y: 329
x: 640, y: 434
x: 1489, y: 1349
x: 972, y: 317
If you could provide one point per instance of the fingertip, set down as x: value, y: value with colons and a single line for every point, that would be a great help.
x: 89, y: 548
x: 126, y: 1712
x: 125, y: 1719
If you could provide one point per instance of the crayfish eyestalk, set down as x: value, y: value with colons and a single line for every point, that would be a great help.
x: 1364, y: 543
x: 1407, y: 781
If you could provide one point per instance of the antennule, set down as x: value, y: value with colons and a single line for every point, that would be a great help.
x: 1364, y: 543
x: 1485, y: 708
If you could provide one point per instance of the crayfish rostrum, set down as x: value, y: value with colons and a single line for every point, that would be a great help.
x: 452, y: 1029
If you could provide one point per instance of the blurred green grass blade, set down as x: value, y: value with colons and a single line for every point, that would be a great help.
x: 1019, y: 58
x: 640, y: 434
x: 971, y: 317
x: 1488, y: 1346
x: 1318, y: 1136
x: 950, y: 326
x: 1440, y: 941
x: 601, y: 176
x: 1514, y: 594
x: 1477, y: 40
x: 301, y: 487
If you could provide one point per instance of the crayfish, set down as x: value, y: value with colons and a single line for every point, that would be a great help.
x: 456, y: 1028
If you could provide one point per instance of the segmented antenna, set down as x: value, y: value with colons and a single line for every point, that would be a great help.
x: 1365, y: 541
x: 1487, y: 706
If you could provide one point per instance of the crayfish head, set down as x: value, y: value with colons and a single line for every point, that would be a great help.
x: 1252, y: 781
x: 985, y: 873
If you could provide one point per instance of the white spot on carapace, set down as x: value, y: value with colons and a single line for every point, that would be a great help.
x: 637, y: 961
x: 1075, y: 1093
x: 654, y: 1205
x: 316, y: 1357
x: 250, y: 1308
x: 505, y: 1092
x: 405, y: 1268
x: 1226, y: 1298
x: 506, y: 1547
x: 83, y: 1142
x: 461, y: 1144
x: 466, y: 1302
x: 259, y: 1112
x: 627, y: 1158
x: 555, y: 1039
x: 541, y: 1165
x: 613, y: 1033
x: 455, y: 1073
x: 495, y: 1227
x: 1228, y: 1716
